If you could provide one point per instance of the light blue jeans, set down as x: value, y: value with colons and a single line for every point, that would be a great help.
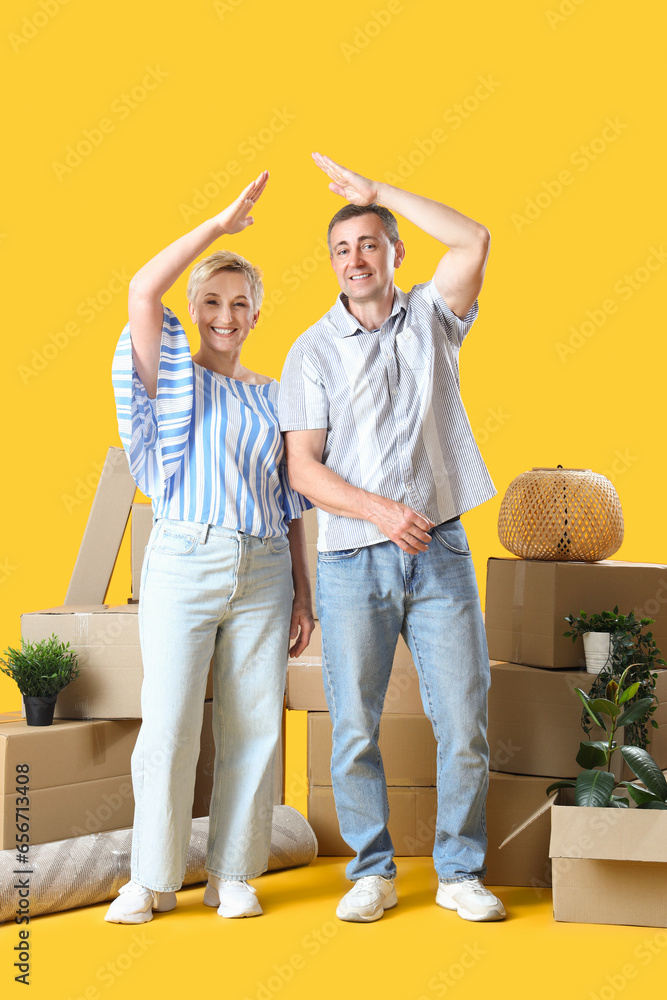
x: 365, y: 598
x: 209, y: 592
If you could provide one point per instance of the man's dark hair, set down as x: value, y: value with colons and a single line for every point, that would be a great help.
x: 352, y: 211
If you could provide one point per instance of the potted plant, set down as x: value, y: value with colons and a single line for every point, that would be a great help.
x: 595, y: 787
x: 629, y: 645
x: 40, y: 669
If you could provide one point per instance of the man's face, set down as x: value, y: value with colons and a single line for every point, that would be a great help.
x: 364, y: 258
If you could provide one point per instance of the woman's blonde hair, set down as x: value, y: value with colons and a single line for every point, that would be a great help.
x: 225, y: 260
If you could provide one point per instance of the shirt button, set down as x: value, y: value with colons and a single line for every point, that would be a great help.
x: 408, y: 335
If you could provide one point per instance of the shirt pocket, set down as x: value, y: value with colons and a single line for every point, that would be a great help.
x: 409, y: 349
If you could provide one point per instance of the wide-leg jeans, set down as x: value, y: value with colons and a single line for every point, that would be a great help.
x: 366, y: 597
x: 208, y: 592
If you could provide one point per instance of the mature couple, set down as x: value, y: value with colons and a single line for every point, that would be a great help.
x: 376, y: 437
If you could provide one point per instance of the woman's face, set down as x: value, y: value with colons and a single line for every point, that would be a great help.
x: 224, y: 312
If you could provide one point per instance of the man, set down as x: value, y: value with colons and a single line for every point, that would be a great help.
x: 377, y: 437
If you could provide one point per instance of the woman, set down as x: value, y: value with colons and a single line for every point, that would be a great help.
x: 218, y: 583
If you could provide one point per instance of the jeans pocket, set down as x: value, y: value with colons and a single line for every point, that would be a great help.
x: 452, y: 537
x: 278, y: 545
x: 175, y: 541
x: 337, y: 555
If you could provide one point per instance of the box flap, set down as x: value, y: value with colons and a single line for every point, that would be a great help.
x: 104, y: 531
x: 535, y: 815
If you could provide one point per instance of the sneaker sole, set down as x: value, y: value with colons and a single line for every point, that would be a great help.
x: 166, y: 903
x: 212, y: 898
x: 368, y: 918
x: 491, y: 914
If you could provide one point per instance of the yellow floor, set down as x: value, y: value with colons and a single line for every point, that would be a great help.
x: 298, y: 949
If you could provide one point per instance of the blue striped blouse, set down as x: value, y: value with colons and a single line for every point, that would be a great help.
x: 208, y: 448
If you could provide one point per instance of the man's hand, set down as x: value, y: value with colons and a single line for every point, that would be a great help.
x: 403, y: 525
x: 301, y: 626
x: 356, y: 189
x: 235, y: 218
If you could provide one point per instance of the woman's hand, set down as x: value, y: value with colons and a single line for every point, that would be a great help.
x: 301, y: 625
x: 357, y: 189
x: 235, y: 218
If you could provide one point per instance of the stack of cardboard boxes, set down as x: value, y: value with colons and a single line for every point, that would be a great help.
x: 79, y: 767
x: 534, y: 715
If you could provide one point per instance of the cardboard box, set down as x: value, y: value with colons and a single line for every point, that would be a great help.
x: 79, y: 778
x: 407, y: 745
x: 141, y: 525
x: 305, y: 687
x: 412, y: 820
x: 411, y: 823
x: 535, y: 720
x: 104, y: 532
x: 528, y: 599
x: 106, y: 641
x: 609, y: 865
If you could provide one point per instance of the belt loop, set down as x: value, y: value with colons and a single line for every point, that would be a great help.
x: 204, y: 534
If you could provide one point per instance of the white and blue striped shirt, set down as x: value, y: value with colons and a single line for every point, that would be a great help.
x: 208, y: 448
x: 391, y: 404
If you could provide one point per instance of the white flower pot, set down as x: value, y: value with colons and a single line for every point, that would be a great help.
x: 597, y: 649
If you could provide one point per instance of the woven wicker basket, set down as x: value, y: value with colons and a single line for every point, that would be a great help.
x: 563, y: 514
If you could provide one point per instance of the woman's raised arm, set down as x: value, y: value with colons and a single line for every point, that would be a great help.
x: 151, y: 282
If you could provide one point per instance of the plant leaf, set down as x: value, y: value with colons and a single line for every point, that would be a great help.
x: 594, y: 788
x: 592, y: 753
x: 640, y: 795
x: 601, y: 705
x: 636, y: 711
x: 560, y: 784
x: 629, y: 693
x: 654, y: 805
x: 618, y: 802
x: 642, y: 764
x: 597, y: 719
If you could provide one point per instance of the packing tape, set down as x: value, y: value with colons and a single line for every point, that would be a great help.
x: 517, y: 609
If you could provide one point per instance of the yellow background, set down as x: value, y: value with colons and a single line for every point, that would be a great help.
x: 368, y: 84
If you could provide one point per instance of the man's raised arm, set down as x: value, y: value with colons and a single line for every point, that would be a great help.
x: 460, y: 274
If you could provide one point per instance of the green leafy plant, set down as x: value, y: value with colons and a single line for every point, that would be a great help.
x: 40, y: 668
x: 595, y: 785
x: 632, y: 647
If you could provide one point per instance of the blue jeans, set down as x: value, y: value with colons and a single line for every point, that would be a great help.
x: 365, y: 598
x: 209, y: 593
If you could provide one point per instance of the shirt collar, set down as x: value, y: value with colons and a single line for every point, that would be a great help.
x: 345, y: 323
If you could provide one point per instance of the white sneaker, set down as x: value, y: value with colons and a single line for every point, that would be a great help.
x: 471, y: 900
x: 368, y: 899
x: 135, y: 904
x: 233, y: 897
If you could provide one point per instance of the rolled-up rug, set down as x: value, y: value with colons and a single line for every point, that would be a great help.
x: 66, y: 874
